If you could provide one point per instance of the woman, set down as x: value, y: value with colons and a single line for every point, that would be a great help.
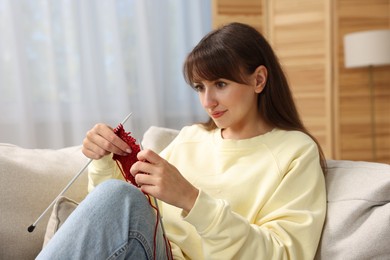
x: 248, y: 184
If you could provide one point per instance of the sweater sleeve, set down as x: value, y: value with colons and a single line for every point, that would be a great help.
x: 102, y: 170
x: 288, y: 226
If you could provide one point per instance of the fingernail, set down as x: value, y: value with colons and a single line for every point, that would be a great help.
x: 128, y: 150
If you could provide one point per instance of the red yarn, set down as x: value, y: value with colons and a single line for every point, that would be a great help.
x: 126, y: 161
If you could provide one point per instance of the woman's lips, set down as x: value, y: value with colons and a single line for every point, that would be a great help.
x: 218, y: 114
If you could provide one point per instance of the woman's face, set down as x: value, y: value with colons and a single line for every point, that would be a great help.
x: 232, y: 105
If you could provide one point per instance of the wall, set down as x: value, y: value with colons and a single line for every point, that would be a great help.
x: 308, y: 38
x: 352, y: 88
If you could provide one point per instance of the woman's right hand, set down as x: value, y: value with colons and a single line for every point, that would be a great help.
x: 101, y: 140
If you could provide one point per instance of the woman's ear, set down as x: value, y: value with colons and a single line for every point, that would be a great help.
x: 261, y: 74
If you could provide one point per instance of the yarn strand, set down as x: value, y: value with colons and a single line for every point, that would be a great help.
x: 124, y: 163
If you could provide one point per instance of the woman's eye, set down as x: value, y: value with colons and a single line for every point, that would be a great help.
x: 198, y: 87
x: 220, y: 84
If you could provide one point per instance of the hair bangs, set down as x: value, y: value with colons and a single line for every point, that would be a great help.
x: 212, y: 63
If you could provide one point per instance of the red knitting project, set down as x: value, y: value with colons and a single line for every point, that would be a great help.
x: 128, y: 160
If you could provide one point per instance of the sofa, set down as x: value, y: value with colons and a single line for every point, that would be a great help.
x: 357, y: 224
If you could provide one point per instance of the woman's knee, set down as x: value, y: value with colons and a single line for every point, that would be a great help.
x: 114, y: 185
x: 114, y: 191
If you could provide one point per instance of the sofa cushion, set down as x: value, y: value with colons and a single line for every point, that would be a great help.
x: 357, y: 224
x: 62, y: 208
x: 30, y: 179
x: 157, y: 138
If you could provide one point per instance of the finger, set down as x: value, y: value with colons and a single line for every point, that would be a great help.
x: 151, y: 189
x: 150, y: 156
x: 104, y: 138
x: 108, y: 134
x: 93, y: 151
x: 143, y: 167
x: 101, y: 146
x: 143, y: 179
x: 149, y: 184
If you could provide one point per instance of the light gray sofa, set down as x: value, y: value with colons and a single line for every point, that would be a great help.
x: 357, y: 224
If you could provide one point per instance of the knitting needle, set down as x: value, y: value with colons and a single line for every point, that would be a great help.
x: 160, y: 217
x: 160, y: 220
x: 32, y: 227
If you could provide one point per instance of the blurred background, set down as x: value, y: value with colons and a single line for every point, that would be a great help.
x: 67, y: 65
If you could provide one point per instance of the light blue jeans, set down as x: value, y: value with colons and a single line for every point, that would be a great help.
x: 115, y: 221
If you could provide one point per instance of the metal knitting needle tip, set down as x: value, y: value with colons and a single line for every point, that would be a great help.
x: 126, y: 118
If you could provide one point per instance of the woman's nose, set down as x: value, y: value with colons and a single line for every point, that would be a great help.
x: 208, y: 99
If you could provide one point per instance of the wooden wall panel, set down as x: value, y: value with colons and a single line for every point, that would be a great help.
x: 299, y: 31
x: 244, y: 11
x: 352, y: 93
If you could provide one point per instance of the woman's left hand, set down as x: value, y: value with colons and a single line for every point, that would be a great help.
x: 162, y: 180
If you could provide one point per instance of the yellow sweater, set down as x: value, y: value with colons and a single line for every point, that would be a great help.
x: 260, y: 198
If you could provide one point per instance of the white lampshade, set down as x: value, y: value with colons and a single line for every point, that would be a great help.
x: 368, y: 48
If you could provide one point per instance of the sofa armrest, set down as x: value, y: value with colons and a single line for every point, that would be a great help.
x: 357, y: 223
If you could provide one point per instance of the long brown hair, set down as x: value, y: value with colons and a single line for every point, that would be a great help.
x: 236, y: 50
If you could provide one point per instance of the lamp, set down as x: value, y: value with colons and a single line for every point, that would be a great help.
x: 368, y: 49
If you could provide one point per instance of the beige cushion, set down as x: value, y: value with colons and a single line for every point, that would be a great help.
x: 61, y: 210
x: 30, y: 179
x: 358, y: 220
x: 157, y: 138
